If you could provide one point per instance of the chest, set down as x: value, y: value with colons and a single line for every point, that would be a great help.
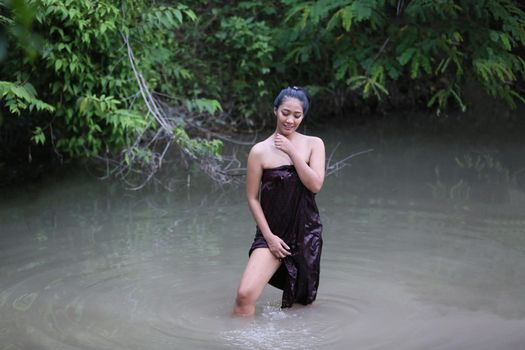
x: 276, y: 157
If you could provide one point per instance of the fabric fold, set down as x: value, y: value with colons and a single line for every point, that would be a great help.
x: 292, y: 214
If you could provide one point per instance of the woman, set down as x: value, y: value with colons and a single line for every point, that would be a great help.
x: 287, y: 169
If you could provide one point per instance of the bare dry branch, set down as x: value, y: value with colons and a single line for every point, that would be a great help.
x: 138, y: 164
x: 335, y: 167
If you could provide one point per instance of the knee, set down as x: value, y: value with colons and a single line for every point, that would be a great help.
x: 245, y: 296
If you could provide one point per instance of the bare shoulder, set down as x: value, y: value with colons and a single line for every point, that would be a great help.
x: 257, y: 153
x: 259, y: 148
x: 315, y: 142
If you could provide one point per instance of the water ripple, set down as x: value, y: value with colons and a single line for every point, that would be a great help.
x: 391, y: 278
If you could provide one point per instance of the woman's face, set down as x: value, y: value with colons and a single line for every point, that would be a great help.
x: 289, y: 115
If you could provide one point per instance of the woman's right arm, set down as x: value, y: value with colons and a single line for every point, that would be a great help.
x: 253, y: 183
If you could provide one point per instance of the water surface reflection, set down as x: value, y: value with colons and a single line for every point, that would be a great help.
x: 424, y: 248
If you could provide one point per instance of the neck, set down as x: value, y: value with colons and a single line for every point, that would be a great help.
x: 289, y: 136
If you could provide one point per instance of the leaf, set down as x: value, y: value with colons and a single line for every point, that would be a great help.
x: 204, y: 105
x: 505, y: 41
x: 362, y: 9
x: 346, y: 16
x: 393, y: 72
x: 83, y: 104
x: 178, y: 14
x: 494, y: 36
x: 190, y: 14
x: 334, y: 21
x: 406, y: 56
x: 38, y: 136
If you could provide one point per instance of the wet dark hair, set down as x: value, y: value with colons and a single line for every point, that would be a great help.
x: 295, y: 92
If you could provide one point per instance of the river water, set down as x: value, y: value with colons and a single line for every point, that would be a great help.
x: 424, y: 248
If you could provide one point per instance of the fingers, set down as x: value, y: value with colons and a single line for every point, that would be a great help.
x: 284, y: 250
x: 282, y: 143
x: 277, y: 141
x: 279, y: 248
x: 281, y: 253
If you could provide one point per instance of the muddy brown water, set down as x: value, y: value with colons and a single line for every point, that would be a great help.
x: 424, y: 248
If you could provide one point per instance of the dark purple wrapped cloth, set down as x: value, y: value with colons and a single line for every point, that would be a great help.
x: 292, y: 214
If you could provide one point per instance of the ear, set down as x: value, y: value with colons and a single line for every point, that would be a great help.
x: 275, y: 111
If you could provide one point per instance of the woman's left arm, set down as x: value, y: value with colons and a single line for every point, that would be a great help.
x: 312, y: 176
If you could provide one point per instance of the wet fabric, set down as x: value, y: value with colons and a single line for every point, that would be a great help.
x: 292, y: 214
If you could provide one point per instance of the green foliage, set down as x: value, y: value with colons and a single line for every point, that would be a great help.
x: 38, y: 136
x: 377, y: 45
x: 250, y: 40
x: 83, y: 71
x: 202, y: 105
x: 224, y: 61
x: 198, y: 148
x: 75, y: 61
x: 16, y: 20
x: 104, y: 120
x: 242, y: 52
x: 21, y: 97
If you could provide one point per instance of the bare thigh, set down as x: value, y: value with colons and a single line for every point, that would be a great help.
x: 260, y: 268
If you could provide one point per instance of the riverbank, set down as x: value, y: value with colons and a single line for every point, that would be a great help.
x: 25, y: 168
